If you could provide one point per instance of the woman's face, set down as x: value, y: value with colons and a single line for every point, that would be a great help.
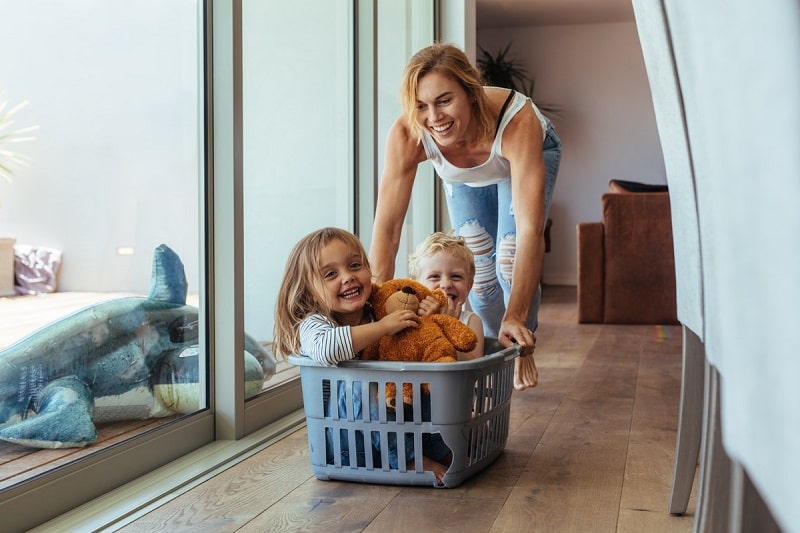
x: 444, y: 109
x: 347, y: 280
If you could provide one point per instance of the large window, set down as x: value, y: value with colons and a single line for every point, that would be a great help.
x: 118, y: 168
x: 226, y: 129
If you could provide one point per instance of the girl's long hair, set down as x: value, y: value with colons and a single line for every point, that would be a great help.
x: 450, y: 61
x: 302, y: 291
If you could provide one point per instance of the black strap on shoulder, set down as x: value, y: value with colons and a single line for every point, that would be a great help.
x: 503, y: 110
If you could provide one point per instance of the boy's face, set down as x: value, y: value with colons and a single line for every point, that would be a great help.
x: 447, y: 272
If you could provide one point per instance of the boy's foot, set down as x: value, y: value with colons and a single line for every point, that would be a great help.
x: 438, y: 469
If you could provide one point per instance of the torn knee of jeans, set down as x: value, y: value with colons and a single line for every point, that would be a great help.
x: 485, y: 277
x: 476, y: 237
x: 506, y: 250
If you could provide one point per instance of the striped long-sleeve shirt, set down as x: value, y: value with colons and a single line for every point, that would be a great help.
x: 324, y: 341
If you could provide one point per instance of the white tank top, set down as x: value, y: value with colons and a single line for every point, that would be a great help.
x: 496, y: 168
x: 466, y: 314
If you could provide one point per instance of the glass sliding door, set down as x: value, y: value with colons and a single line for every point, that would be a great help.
x: 111, y: 208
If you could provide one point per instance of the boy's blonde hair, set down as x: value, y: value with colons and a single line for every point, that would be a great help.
x: 453, y: 63
x: 302, y: 291
x: 442, y: 242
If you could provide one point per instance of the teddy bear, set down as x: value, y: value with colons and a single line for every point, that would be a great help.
x: 436, y: 340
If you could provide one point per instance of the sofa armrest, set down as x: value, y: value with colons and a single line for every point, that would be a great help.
x: 590, y: 272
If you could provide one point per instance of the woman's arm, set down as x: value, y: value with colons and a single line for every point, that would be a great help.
x: 403, y: 155
x: 522, y: 146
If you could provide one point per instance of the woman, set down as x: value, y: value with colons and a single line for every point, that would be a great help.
x: 498, y: 157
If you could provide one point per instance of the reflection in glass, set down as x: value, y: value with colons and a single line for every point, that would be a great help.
x: 122, y: 359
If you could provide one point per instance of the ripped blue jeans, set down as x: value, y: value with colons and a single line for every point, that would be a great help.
x: 484, y: 217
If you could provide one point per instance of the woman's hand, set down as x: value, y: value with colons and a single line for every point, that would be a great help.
x: 514, y: 332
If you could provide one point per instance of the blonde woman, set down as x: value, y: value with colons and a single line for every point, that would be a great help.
x: 498, y: 157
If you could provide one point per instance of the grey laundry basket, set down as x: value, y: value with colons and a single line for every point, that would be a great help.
x: 469, y: 408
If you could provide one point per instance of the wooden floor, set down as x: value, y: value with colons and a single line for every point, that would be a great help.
x: 590, y: 449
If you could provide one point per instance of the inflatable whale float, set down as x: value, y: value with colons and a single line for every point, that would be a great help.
x: 123, y: 359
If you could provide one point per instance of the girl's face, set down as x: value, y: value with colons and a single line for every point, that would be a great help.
x: 444, y: 108
x: 445, y: 271
x: 347, y: 280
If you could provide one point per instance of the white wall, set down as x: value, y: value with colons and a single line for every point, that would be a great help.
x: 86, y: 196
x: 117, y: 158
x: 595, y: 74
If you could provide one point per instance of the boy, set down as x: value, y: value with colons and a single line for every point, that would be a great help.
x: 444, y: 262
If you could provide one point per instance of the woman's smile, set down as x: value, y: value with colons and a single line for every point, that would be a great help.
x: 442, y: 129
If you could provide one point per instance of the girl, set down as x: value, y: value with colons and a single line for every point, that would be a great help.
x: 322, y: 312
x: 322, y: 309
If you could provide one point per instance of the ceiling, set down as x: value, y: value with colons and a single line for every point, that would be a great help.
x: 510, y: 13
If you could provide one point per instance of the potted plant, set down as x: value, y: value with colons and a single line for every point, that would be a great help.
x: 11, y: 159
x: 500, y: 70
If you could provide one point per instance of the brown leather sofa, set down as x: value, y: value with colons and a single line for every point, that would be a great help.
x: 626, y: 266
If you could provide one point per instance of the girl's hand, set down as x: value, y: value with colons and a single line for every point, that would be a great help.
x: 398, y: 321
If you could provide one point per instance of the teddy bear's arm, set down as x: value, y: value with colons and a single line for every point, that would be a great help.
x: 460, y: 335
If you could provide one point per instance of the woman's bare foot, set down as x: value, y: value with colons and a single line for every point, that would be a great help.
x: 525, y: 373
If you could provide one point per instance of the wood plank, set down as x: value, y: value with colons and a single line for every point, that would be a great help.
x: 235, y: 497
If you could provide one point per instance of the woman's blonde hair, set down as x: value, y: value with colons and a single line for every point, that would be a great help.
x: 302, y: 291
x: 442, y: 242
x: 449, y: 61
